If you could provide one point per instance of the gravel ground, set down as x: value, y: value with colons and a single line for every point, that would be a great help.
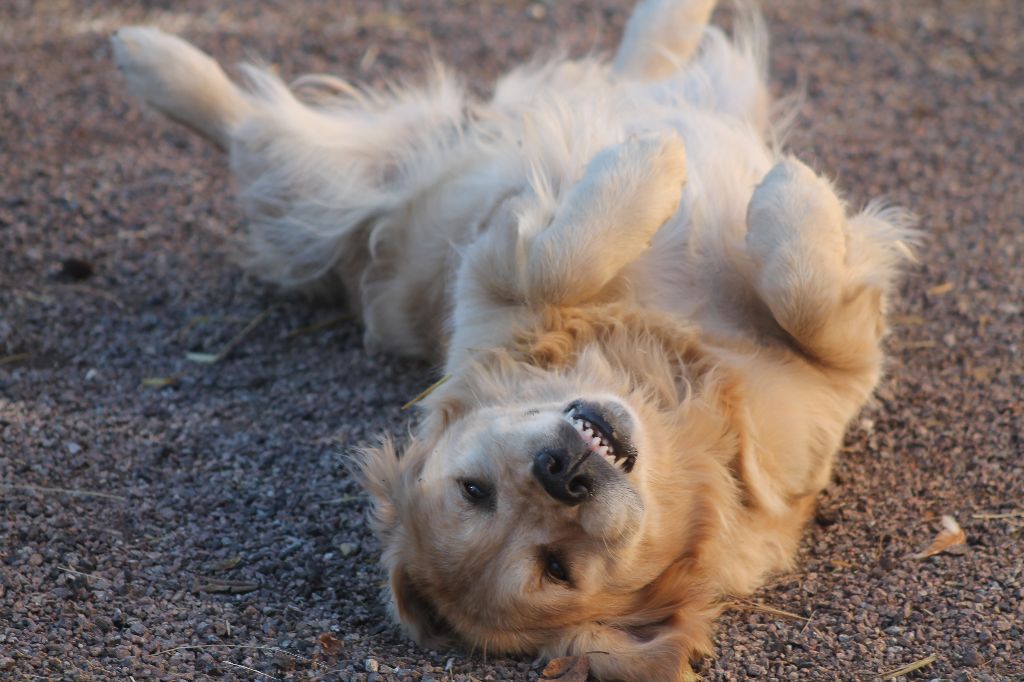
x: 212, y: 531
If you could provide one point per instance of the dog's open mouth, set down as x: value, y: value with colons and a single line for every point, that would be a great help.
x: 597, y: 430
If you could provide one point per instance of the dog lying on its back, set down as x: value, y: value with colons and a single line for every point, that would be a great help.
x: 655, y: 327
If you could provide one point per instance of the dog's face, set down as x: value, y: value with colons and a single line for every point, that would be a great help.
x: 541, y: 517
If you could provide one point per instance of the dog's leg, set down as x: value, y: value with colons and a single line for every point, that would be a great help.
x: 660, y: 37
x: 607, y: 220
x: 325, y: 187
x: 823, y: 276
x: 180, y: 81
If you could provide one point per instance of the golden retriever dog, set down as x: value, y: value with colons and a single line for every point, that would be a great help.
x: 654, y: 325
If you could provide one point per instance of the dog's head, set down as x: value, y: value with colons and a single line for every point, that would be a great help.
x: 556, y: 510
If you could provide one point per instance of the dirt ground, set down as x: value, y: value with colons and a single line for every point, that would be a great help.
x: 164, y: 519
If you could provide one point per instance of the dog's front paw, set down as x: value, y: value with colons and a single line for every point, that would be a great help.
x: 794, y: 211
x: 608, y: 218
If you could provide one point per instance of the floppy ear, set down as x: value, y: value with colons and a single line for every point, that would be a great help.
x: 387, y: 476
x: 415, y: 612
x: 379, y: 470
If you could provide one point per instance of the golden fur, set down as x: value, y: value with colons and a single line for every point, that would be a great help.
x: 656, y: 326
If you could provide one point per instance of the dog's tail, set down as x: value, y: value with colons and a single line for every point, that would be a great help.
x: 180, y: 81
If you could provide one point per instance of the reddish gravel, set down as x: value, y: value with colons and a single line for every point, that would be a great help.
x: 220, y: 537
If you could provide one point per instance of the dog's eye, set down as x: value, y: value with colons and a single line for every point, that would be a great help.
x: 555, y: 569
x: 475, y: 491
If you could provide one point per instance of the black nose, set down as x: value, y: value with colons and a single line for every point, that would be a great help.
x: 568, y: 483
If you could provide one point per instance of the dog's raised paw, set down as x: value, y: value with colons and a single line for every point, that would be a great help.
x: 795, y: 209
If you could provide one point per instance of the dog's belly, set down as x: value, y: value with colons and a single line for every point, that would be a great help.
x: 697, y: 266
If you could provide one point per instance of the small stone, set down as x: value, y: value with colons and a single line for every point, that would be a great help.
x: 347, y: 549
x: 371, y: 665
x: 72, y: 447
x: 76, y: 269
x: 35, y: 560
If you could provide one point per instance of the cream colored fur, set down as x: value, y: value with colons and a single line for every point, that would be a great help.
x: 621, y: 233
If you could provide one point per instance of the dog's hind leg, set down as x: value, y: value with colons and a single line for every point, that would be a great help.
x: 180, y: 81
x: 824, y: 276
x: 660, y: 37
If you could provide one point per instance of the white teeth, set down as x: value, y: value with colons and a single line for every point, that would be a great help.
x: 593, y: 438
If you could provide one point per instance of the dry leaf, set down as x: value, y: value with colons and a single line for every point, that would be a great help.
x: 940, y: 289
x: 567, y: 669
x: 329, y: 643
x: 951, y: 535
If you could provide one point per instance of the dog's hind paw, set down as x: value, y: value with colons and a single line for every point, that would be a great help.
x: 178, y: 79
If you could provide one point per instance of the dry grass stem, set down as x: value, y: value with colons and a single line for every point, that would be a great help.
x: 740, y: 604
x: 344, y: 499
x: 916, y: 665
x: 11, y: 359
x: 212, y: 358
x: 99, y: 293
x: 430, y: 389
x: 63, y: 491
x: 319, y: 326
x: 219, y: 586
x: 940, y: 289
x: 907, y: 320
x: 73, y: 571
x: 993, y: 517
x: 918, y: 345
x: 272, y: 649
x: 252, y: 670
x: 159, y: 382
